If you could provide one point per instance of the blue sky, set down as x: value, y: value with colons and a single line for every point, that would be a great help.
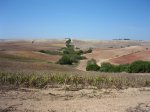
x: 81, y: 19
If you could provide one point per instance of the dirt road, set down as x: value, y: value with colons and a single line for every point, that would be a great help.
x: 85, y: 100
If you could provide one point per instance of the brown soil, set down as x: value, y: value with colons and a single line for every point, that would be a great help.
x: 85, y: 100
x: 107, y: 55
x: 141, y: 55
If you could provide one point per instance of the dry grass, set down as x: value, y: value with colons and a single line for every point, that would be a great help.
x: 74, y: 80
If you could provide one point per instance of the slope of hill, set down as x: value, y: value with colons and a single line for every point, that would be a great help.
x: 113, y: 54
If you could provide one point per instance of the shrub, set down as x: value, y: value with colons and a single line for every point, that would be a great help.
x: 107, y: 67
x: 139, y: 67
x: 135, y: 67
x: 51, y: 52
x: 92, y: 66
x: 80, y: 52
x: 68, y: 51
x: 65, y: 60
x: 122, y: 68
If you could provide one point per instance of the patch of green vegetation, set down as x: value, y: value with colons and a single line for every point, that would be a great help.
x: 139, y: 67
x: 51, y: 52
x: 70, y: 56
x: 92, y: 66
x: 66, y: 59
x: 135, y: 67
x: 107, y: 67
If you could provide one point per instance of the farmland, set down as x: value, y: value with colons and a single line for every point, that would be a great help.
x: 33, y: 81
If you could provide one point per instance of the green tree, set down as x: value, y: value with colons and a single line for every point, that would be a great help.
x: 70, y: 56
x: 68, y: 42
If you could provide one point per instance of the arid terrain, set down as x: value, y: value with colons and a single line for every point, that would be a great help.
x: 85, y: 100
x: 116, y: 52
x: 24, y: 56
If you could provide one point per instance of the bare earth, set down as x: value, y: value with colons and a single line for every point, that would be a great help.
x: 85, y: 100
x: 116, y: 55
x: 24, y: 56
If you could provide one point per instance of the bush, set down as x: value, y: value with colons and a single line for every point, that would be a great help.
x: 65, y: 60
x: 122, y: 68
x: 80, y: 52
x: 107, y: 67
x: 51, y: 52
x: 92, y: 66
x: 135, y: 67
x: 68, y: 51
x: 139, y: 67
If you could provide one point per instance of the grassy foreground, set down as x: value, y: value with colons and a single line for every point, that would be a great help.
x: 78, y: 81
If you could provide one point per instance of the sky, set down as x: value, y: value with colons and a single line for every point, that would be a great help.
x: 80, y: 19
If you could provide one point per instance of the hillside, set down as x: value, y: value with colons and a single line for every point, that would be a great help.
x: 32, y: 81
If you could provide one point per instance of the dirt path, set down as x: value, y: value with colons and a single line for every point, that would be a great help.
x: 82, y: 65
x: 85, y: 100
x: 107, y: 55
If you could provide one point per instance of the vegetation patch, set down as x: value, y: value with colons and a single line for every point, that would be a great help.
x: 107, y: 67
x: 51, y: 52
x: 92, y: 66
x: 139, y: 67
x: 135, y: 67
x: 69, y: 55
